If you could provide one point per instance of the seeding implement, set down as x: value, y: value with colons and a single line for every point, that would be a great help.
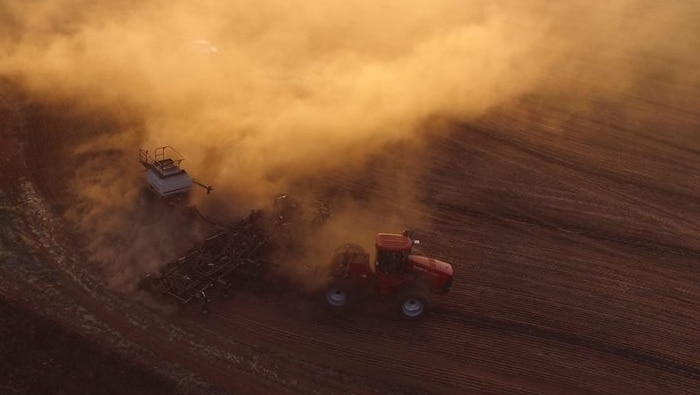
x: 398, y: 271
x: 212, y: 263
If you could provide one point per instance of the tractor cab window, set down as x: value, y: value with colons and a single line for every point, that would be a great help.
x: 391, y: 261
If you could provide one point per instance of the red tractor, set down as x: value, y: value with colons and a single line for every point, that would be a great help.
x: 397, y: 271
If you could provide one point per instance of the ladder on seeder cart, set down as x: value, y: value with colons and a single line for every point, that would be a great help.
x: 213, y: 262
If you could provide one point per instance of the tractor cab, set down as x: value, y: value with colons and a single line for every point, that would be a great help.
x: 391, y: 266
x: 392, y: 251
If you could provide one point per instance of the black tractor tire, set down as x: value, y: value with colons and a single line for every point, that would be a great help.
x: 412, y: 301
x: 339, y: 295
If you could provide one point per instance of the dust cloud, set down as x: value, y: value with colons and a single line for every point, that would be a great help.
x: 258, y: 94
x: 251, y: 93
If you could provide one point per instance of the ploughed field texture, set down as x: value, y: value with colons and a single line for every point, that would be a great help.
x: 571, y: 217
x: 573, y: 234
x: 40, y: 357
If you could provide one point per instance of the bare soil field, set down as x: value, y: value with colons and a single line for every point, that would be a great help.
x: 575, y: 257
x: 573, y: 227
x: 40, y: 357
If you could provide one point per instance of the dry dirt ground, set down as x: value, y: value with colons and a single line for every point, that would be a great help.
x: 573, y: 230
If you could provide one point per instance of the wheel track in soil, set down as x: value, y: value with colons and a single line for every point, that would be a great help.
x: 646, y: 358
x: 391, y: 359
x: 601, y: 277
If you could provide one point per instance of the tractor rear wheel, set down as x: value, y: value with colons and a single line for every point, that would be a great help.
x: 339, y: 295
x: 412, y: 302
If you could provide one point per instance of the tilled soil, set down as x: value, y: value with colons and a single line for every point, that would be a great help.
x: 575, y: 272
x: 573, y: 232
x: 40, y: 357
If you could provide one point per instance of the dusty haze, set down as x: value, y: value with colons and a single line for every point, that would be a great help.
x: 290, y: 87
x: 280, y: 90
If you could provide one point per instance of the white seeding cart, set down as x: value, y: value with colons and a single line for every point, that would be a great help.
x: 164, y: 174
